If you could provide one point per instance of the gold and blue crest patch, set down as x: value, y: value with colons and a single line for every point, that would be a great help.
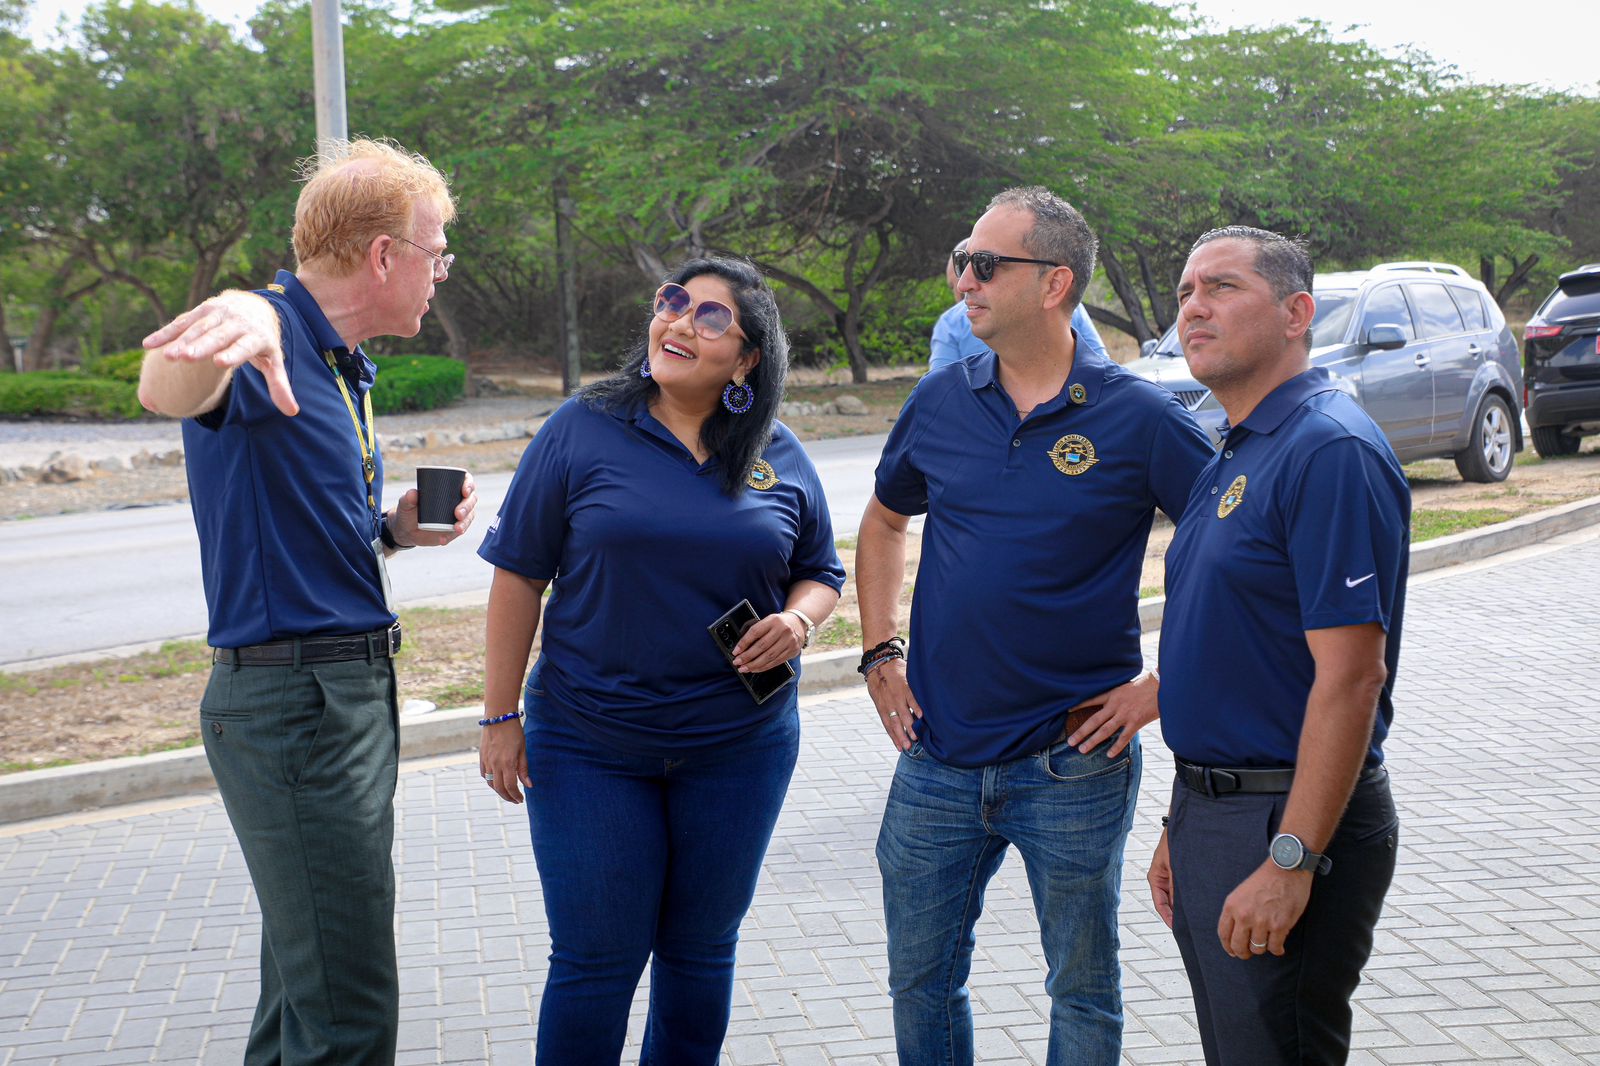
x: 1073, y: 454
x: 761, y: 475
x: 1232, y: 498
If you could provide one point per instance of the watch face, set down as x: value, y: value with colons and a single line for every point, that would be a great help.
x: 1287, y: 851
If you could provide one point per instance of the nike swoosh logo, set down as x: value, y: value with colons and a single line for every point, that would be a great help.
x: 1352, y: 584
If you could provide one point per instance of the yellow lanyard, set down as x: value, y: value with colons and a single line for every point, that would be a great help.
x: 368, y: 440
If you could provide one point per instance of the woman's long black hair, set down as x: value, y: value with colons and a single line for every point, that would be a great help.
x: 738, y: 440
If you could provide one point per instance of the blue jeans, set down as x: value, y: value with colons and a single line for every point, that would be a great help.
x: 647, y: 859
x: 945, y: 833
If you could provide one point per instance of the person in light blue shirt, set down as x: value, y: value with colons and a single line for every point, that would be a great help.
x: 952, y: 334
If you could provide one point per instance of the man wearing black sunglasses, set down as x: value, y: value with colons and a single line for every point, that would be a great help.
x: 952, y: 334
x: 1039, y: 466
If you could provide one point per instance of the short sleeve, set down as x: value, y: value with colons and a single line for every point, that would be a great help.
x: 943, y: 348
x: 898, y: 484
x: 1179, y: 450
x: 1087, y: 334
x: 529, y: 534
x: 1347, y: 533
x: 815, y: 557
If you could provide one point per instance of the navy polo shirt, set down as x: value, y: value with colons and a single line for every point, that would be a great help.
x: 1302, y: 521
x: 281, y: 503
x: 1027, y: 595
x: 646, y: 551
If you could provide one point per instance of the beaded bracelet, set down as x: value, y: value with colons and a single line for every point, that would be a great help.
x: 509, y: 716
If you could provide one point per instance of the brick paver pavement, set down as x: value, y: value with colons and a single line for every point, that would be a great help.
x: 129, y: 936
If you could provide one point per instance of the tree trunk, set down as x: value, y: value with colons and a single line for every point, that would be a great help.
x: 566, y: 287
x: 1138, y: 324
x: 457, y: 346
x: 50, y: 308
x: 8, y: 354
x: 1166, y: 311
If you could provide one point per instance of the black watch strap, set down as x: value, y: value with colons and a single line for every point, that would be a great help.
x: 385, y: 535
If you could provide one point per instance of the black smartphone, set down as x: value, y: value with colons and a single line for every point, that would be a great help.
x: 727, y: 630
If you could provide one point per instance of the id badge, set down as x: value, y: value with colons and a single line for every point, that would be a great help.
x: 383, y: 574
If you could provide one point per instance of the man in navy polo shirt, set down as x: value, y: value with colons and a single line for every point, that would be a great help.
x: 1285, y: 590
x: 285, y: 477
x: 952, y: 334
x: 1039, y: 467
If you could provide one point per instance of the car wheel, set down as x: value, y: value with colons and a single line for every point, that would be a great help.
x: 1550, y: 442
x: 1490, y: 448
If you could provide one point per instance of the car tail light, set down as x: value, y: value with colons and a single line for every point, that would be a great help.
x: 1533, y: 332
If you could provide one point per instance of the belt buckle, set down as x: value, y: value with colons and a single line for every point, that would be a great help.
x: 392, y: 635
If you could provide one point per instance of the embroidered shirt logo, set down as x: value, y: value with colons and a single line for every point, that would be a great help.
x: 1350, y: 584
x: 761, y: 476
x: 1073, y: 454
x: 1078, y: 394
x: 1232, y: 498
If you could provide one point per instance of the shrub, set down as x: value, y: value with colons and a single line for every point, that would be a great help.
x: 67, y: 394
x: 118, y: 366
x: 416, y: 383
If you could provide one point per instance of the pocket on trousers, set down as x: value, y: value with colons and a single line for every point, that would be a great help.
x: 219, y: 702
x: 1065, y: 763
x: 915, y: 751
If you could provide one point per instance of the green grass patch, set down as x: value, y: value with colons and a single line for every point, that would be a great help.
x: 176, y: 745
x: 13, y: 767
x: 1148, y: 591
x: 456, y: 695
x: 847, y: 544
x: 838, y: 633
x: 1431, y: 523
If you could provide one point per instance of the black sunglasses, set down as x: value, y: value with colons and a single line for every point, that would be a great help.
x: 983, y: 263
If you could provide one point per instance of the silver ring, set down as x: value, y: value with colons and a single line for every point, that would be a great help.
x: 894, y: 714
x: 489, y: 777
x: 1260, y: 946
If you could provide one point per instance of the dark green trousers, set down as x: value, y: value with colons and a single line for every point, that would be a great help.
x: 306, y: 760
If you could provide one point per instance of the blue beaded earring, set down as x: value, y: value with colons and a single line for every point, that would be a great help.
x: 738, y: 397
x: 644, y: 367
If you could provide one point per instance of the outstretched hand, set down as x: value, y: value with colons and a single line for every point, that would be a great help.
x: 229, y: 331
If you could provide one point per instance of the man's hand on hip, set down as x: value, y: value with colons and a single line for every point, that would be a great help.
x: 1128, y: 708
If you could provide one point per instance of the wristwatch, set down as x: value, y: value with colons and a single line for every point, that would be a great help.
x: 1288, y: 853
x: 811, y: 627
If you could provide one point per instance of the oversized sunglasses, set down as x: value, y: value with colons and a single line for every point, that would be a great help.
x: 710, y: 319
x: 983, y: 263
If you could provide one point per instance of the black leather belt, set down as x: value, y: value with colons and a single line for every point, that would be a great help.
x: 379, y: 644
x: 1221, y: 780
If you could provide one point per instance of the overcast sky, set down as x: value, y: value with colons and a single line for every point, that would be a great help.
x: 1549, y: 43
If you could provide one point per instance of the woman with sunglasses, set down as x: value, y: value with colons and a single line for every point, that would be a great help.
x: 651, y: 503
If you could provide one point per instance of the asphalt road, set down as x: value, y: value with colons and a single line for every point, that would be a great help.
x: 82, y: 583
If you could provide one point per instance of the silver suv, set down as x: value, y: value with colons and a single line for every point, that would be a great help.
x: 1421, y: 346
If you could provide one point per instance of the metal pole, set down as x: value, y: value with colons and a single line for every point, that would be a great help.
x: 327, y: 48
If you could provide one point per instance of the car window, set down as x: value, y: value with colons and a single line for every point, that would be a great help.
x: 1387, y: 306
x: 1334, y: 306
x: 1436, y: 312
x: 1562, y: 305
x: 1470, y: 301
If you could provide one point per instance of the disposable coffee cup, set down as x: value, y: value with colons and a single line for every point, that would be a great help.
x: 438, y: 496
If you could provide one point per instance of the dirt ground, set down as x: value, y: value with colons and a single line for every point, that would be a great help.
x: 148, y: 702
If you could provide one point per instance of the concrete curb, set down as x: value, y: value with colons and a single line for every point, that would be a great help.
x: 64, y: 789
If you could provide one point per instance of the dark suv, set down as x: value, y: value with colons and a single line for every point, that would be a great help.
x: 1421, y: 346
x: 1561, y: 345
